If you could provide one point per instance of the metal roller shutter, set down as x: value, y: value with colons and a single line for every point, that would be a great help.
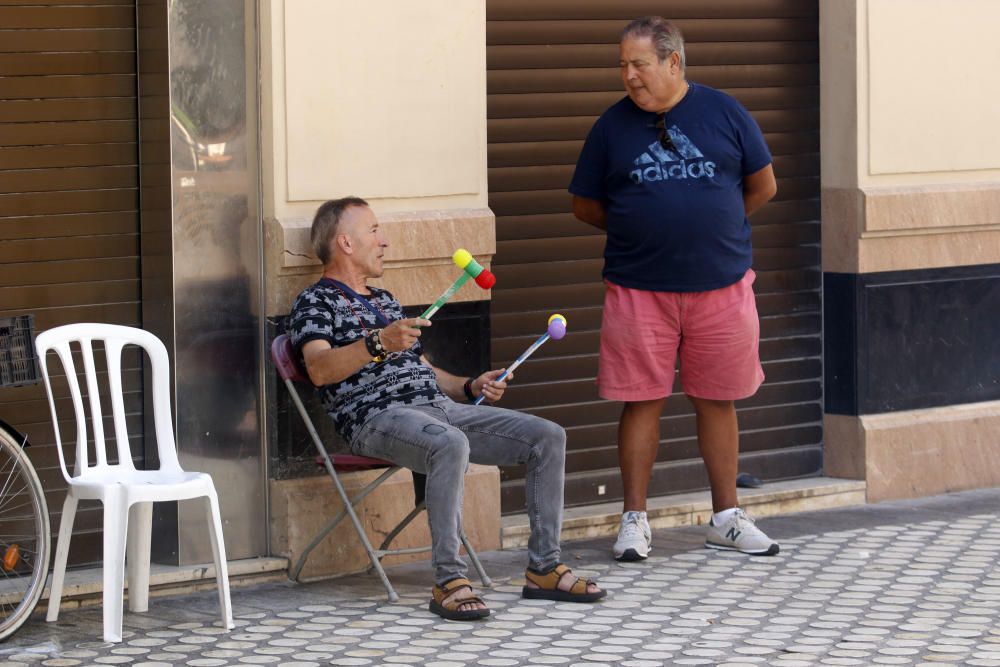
x: 552, y: 69
x: 68, y: 203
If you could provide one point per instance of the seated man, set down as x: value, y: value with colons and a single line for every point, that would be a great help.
x: 388, y: 402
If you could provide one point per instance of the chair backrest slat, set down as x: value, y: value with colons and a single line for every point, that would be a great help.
x: 113, y: 352
x: 65, y: 355
x: 94, y: 396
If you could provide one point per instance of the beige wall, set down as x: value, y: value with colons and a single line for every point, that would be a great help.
x: 910, y: 141
x: 385, y: 100
x: 932, y: 91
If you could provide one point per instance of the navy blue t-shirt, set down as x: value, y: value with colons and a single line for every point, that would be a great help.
x: 675, y: 217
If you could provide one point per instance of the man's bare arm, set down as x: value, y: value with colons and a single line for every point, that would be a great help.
x: 758, y: 189
x: 326, y: 364
x: 590, y: 211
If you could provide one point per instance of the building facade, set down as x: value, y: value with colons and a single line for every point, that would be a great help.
x: 160, y: 163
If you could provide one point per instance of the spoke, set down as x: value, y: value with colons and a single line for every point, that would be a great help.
x: 6, y: 482
x: 24, y: 497
x: 29, y: 503
x: 6, y: 492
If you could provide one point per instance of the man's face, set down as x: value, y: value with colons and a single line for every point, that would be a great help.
x: 367, y: 240
x: 651, y: 84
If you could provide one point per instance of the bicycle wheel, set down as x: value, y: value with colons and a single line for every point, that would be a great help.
x: 24, y: 535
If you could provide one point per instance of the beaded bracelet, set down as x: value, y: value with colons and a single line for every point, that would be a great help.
x: 373, y: 343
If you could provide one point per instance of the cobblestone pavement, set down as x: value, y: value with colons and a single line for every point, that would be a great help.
x: 905, y: 583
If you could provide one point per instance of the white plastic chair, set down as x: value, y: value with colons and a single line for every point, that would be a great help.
x: 120, y: 487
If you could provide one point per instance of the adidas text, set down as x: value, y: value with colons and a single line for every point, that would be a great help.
x: 674, y: 171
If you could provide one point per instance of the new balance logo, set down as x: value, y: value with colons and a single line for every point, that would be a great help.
x: 733, y: 534
x: 661, y: 164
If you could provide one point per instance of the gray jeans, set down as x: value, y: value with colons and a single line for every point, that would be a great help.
x: 440, y: 439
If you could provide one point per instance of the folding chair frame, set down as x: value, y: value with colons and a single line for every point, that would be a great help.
x: 282, y: 346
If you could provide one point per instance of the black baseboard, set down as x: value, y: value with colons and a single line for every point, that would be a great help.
x: 905, y: 340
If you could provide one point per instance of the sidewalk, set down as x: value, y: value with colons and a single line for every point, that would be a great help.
x: 903, y: 583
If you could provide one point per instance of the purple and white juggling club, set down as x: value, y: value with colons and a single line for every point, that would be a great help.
x: 555, y: 331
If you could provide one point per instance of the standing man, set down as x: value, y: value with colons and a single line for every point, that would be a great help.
x: 388, y: 402
x: 671, y: 173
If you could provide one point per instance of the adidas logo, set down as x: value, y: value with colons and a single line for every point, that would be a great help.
x: 661, y: 164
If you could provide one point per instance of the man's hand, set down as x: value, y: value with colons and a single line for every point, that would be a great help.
x: 590, y: 211
x: 488, y: 385
x: 402, y: 334
x: 758, y: 189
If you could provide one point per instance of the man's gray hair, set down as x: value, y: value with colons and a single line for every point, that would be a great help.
x: 666, y: 37
x: 326, y: 222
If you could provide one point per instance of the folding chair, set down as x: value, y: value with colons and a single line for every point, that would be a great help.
x: 286, y: 362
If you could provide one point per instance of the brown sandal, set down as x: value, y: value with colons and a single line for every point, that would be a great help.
x: 446, y: 605
x: 548, y: 586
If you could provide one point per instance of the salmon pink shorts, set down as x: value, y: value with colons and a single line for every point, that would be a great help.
x: 716, y: 335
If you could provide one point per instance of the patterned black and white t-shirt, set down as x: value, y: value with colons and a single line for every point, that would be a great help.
x: 326, y: 311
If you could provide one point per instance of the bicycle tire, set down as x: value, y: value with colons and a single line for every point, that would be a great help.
x: 22, y: 509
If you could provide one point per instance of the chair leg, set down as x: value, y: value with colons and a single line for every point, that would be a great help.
x: 483, y: 577
x: 296, y: 570
x: 137, y: 548
x: 349, y: 508
x: 401, y: 526
x: 62, y: 553
x: 219, y: 555
x: 115, y: 531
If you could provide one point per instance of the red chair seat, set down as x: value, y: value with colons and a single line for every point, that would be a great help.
x: 352, y: 462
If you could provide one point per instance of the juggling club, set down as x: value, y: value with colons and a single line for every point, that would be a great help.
x: 556, y: 330
x: 470, y: 269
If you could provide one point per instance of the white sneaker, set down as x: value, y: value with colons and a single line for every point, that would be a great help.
x: 740, y: 533
x: 634, y: 537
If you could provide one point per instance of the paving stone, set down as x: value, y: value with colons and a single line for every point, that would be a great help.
x: 893, y: 584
